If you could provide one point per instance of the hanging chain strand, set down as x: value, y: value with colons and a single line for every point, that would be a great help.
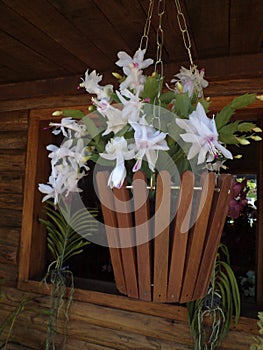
x: 145, y: 37
x: 158, y: 68
x: 184, y: 30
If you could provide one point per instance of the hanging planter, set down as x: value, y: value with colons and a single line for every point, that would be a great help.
x: 164, y: 258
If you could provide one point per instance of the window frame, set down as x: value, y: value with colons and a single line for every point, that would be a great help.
x: 32, y: 243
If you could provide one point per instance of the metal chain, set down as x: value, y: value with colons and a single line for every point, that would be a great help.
x: 158, y: 68
x: 159, y: 39
x: 184, y: 30
x: 145, y: 37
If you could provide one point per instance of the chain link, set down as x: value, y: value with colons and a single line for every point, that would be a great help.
x: 158, y: 68
x: 145, y: 37
x: 184, y: 30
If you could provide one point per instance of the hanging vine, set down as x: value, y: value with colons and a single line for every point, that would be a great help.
x: 64, y: 242
x: 210, y: 318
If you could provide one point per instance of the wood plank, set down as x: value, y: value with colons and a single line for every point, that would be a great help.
x: 244, y: 27
x: 12, y: 161
x: 47, y: 102
x: 180, y: 236
x: 161, y: 241
x: 143, y: 235
x: 202, y: 204
x: 9, y: 235
x: 8, y: 254
x: 216, y: 43
x: 13, y: 140
x: 260, y: 228
x: 25, y: 93
x: 16, y: 120
x: 90, y: 13
x: 127, y: 239
x: 110, y: 220
x: 215, y: 226
x: 31, y: 36
x: 34, y: 64
x: 9, y: 275
x: 11, y: 183
x: 38, y: 11
x: 11, y: 202
x: 10, y: 217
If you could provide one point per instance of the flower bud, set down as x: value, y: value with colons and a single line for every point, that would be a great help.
x: 117, y: 75
x: 260, y: 97
x: 179, y: 87
x: 242, y: 141
x: 256, y: 138
x: 57, y: 113
x: 91, y: 108
x: 257, y: 129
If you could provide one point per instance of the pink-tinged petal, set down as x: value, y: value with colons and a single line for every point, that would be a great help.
x: 226, y: 153
x: 137, y: 165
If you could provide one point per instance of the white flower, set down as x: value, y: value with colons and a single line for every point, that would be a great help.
x: 91, y: 84
x: 117, y: 149
x: 202, y: 133
x: 67, y: 126
x: 192, y: 81
x: 115, y: 122
x: 148, y: 140
x: 132, y: 68
x: 128, y: 63
x: 132, y: 107
x: 53, y: 189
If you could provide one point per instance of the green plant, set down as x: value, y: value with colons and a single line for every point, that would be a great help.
x: 64, y: 241
x: 210, y: 318
x: 259, y: 339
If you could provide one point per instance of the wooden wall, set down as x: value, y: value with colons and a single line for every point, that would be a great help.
x: 110, y: 324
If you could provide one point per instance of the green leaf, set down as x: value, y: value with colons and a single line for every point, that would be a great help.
x: 73, y: 113
x: 223, y: 117
x: 243, y: 101
x: 227, y: 133
x: 91, y: 126
x: 167, y: 97
x: 183, y: 106
x: 150, y: 88
x: 246, y: 126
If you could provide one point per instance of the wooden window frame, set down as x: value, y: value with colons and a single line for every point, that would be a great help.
x: 32, y: 244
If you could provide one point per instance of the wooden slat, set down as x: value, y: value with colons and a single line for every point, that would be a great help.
x: 215, y: 227
x: 203, y: 203
x: 127, y: 239
x: 13, y: 140
x: 161, y: 241
x: 11, y: 202
x: 91, y: 13
x: 12, y: 161
x: 11, y: 183
x: 37, y: 13
x: 16, y: 120
x: 242, y: 40
x: 110, y: 220
x: 8, y: 254
x: 10, y: 217
x: 143, y: 235
x: 180, y: 236
x: 18, y: 27
x: 37, y: 65
x: 9, y: 235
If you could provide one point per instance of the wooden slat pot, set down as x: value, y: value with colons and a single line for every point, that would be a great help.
x: 168, y: 256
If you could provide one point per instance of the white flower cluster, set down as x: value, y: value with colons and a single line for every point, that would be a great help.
x: 68, y: 162
x: 147, y: 140
x: 191, y: 81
